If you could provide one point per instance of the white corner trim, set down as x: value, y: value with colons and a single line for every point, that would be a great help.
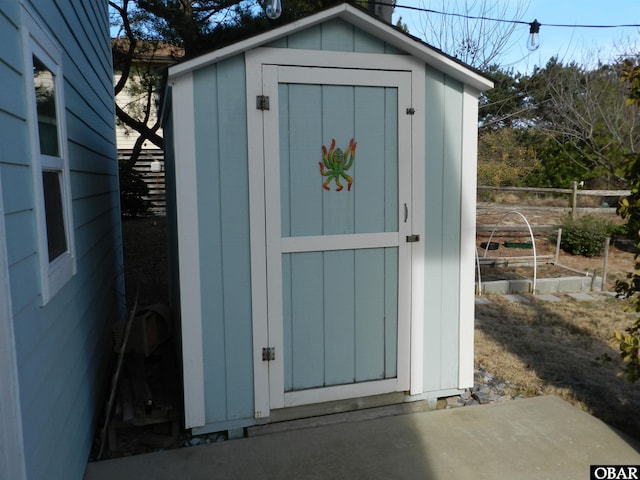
x: 12, y: 458
x: 468, y: 235
x: 189, y: 251
x: 418, y: 223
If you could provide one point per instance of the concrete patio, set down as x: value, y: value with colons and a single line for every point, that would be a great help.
x: 535, y: 438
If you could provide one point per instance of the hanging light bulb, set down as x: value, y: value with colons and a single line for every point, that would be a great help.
x: 533, y: 42
x: 273, y: 9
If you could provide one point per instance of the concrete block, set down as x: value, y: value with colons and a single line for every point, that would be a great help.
x: 545, y: 297
x: 516, y: 298
x: 520, y: 286
x: 483, y: 301
x: 547, y: 285
x: 596, y: 284
x: 581, y: 296
x: 570, y: 284
x: 496, y: 287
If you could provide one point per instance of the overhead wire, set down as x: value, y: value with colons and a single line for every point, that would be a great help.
x: 502, y: 20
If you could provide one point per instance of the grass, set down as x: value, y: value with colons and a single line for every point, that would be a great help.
x: 560, y: 348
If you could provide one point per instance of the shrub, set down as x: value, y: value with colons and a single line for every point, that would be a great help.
x: 132, y: 190
x: 585, y: 235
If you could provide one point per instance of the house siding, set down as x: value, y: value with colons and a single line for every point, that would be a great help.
x: 63, y: 349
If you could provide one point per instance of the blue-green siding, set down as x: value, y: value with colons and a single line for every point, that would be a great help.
x: 335, y: 35
x: 443, y: 164
x: 63, y: 349
x: 223, y: 220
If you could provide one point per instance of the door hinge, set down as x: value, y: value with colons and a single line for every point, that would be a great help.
x: 262, y: 102
x: 413, y: 238
x: 268, y: 354
x: 411, y: 111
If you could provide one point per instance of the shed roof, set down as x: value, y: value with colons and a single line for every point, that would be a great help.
x: 360, y: 19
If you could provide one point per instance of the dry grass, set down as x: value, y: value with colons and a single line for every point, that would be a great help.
x: 560, y: 348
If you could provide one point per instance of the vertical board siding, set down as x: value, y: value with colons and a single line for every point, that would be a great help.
x: 442, y: 208
x: 340, y: 328
x: 451, y: 204
x: 63, y: 349
x: 301, y: 199
x: 340, y: 302
x: 234, y: 196
x: 221, y: 149
x: 369, y: 314
x: 307, y: 312
x: 309, y: 39
x: 205, y: 86
x: 336, y: 35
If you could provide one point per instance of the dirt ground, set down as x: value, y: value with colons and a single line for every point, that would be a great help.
x: 619, y: 261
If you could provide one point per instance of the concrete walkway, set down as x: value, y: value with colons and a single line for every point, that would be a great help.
x: 535, y: 438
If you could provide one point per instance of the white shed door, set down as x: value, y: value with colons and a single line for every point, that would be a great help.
x: 337, y: 210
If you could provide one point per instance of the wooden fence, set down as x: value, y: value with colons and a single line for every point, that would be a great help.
x: 154, y: 179
x: 574, y: 192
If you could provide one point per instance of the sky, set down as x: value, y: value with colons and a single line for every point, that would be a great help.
x: 569, y: 44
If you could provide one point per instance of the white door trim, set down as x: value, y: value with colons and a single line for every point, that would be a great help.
x: 263, y: 66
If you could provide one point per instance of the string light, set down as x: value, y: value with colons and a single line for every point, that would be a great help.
x: 502, y: 20
x: 534, y: 31
x: 273, y: 9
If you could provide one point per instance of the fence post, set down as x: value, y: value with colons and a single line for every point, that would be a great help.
x: 607, y: 241
x: 558, y: 242
x: 574, y: 199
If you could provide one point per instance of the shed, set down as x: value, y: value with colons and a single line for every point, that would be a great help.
x: 324, y: 209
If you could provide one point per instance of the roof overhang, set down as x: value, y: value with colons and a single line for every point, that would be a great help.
x: 360, y: 19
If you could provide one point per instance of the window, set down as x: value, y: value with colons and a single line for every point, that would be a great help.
x: 50, y: 164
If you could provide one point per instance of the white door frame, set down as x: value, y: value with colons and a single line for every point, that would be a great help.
x: 262, y: 79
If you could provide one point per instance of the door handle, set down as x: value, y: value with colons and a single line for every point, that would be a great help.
x: 406, y: 213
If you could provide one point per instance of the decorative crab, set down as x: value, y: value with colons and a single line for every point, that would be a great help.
x: 337, y: 163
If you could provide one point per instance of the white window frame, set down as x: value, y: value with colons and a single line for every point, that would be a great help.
x: 55, y: 274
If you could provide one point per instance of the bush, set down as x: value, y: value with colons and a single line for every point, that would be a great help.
x: 586, y: 235
x: 132, y: 190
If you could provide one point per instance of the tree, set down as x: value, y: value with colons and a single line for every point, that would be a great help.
x: 628, y: 342
x: 584, y: 113
x: 479, y: 41
x: 174, y: 29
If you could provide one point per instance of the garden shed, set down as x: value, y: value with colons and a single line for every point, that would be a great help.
x: 323, y: 210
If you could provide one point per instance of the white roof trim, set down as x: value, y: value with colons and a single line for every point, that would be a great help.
x: 360, y: 19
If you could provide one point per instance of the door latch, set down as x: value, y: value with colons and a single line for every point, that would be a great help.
x: 413, y: 238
